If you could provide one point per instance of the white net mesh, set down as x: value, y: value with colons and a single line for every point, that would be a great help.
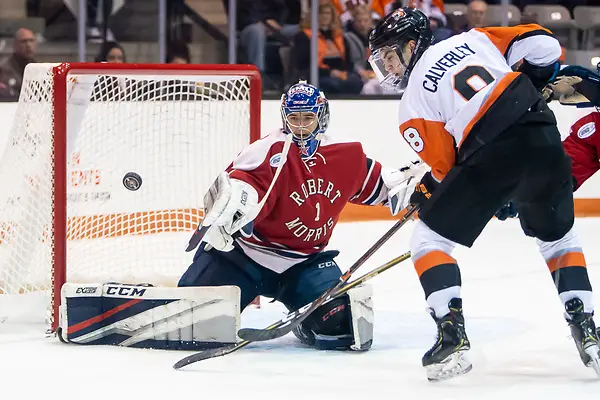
x: 175, y: 132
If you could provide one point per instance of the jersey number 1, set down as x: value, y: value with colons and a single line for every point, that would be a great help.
x: 471, y: 80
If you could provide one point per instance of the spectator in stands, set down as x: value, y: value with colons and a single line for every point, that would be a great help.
x: 336, y: 71
x: 178, y: 53
x: 94, y: 31
x: 13, y: 68
x: 345, y: 9
x: 111, y: 87
x: 434, y: 9
x: 111, y: 52
x: 529, y: 18
x: 257, y: 20
x: 293, y: 12
x: 476, y: 10
x: 357, y: 37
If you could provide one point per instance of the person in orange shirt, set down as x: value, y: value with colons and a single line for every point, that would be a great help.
x: 336, y: 71
x: 345, y: 8
x: 433, y: 9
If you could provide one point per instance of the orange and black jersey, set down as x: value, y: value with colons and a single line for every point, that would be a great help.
x: 463, y: 92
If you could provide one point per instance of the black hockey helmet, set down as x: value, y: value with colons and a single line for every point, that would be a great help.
x: 392, y: 33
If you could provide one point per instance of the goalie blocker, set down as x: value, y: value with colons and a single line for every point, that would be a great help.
x: 182, y: 318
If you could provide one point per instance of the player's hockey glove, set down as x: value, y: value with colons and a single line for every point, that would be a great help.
x: 401, y: 183
x: 561, y: 88
x: 507, y: 211
x: 229, y: 206
x: 424, y: 190
x: 576, y: 86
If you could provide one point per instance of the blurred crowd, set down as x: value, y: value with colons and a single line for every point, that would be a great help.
x: 275, y: 36
x: 24, y: 46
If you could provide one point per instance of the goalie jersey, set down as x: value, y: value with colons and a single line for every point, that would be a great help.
x: 583, y: 146
x: 308, y: 197
x: 463, y: 92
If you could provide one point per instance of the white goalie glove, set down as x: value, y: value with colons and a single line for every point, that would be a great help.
x: 401, y: 183
x: 564, y: 91
x: 230, y: 205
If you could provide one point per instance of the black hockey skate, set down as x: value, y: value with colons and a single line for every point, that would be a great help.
x: 446, y: 359
x: 584, y: 334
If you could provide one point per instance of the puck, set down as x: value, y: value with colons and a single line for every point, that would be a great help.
x: 132, y: 181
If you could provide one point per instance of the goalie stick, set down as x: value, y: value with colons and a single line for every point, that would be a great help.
x: 222, y: 351
x: 202, y: 229
x: 295, y: 318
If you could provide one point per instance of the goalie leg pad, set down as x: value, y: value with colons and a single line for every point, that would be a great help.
x: 149, y: 317
x: 345, y: 323
x: 361, y: 308
x: 331, y: 326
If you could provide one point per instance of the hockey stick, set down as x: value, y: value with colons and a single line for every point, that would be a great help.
x: 199, y: 233
x: 222, y: 351
x: 295, y: 318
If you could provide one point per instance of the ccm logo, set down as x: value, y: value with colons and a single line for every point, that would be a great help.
x: 125, y: 291
x: 85, y: 290
x: 326, y: 264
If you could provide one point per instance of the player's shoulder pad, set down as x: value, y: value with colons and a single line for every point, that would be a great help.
x: 585, y: 126
x: 256, y: 153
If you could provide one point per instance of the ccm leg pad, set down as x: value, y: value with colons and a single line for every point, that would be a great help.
x: 186, y: 318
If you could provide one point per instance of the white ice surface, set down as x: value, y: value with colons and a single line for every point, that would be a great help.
x: 521, y: 348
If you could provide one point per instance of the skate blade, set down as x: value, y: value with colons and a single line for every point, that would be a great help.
x: 454, y: 365
x: 594, y: 353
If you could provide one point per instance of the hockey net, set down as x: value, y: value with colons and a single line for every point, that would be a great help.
x: 69, y: 212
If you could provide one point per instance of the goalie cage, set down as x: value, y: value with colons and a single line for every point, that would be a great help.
x: 66, y: 213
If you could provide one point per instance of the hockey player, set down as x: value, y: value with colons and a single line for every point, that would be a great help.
x: 583, y: 146
x: 488, y: 136
x: 284, y: 255
x: 583, y: 142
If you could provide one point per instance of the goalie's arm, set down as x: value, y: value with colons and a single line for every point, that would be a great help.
x: 257, y: 166
x: 370, y: 188
x: 233, y: 203
x: 583, y: 152
x: 259, y: 180
x: 578, y: 86
x: 590, y: 90
x: 386, y: 186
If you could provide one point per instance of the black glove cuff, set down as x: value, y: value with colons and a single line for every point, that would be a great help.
x: 539, y: 76
x: 429, y: 181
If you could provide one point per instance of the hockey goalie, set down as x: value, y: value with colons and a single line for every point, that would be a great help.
x: 269, y: 218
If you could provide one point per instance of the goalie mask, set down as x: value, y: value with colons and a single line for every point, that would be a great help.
x: 305, y: 115
x: 392, y: 59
